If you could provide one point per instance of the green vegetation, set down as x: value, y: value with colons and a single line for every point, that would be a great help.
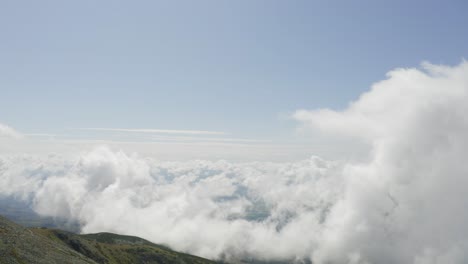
x: 42, y: 245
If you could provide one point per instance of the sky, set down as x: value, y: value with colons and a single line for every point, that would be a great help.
x: 237, y: 67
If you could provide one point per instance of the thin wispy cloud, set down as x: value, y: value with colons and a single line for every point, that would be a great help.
x: 155, y: 131
x: 208, y: 139
x: 40, y: 135
x: 156, y: 138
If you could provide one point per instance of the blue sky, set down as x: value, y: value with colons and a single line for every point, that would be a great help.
x: 239, y: 67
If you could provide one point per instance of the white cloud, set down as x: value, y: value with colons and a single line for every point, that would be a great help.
x: 213, y: 209
x: 388, y: 108
x: 407, y: 205
x: 6, y: 131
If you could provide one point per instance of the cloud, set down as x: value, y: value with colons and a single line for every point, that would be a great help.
x: 388, y: 108
x: 6, y: 131
x: 212, y: 209
x: 405, y: 203
x: 157, y: 131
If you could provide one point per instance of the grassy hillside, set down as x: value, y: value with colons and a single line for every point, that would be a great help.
x: 42, y: 245
x: 22, y: 245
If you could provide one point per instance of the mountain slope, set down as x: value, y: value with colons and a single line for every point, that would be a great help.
x: 22, y: 245
x: 41, y: 245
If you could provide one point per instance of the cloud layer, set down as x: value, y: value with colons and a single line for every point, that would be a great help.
x: 405, y: 204
x: 212, y: 209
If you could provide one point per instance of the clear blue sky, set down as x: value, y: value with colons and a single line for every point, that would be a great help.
x: 233, y: 66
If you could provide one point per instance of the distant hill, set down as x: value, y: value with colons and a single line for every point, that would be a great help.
x: 19, y: 244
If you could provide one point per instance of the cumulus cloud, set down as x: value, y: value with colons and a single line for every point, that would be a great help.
x: 392, y: 104
x: 405, y: 204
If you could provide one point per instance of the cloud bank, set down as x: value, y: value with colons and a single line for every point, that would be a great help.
x: 212, y: 209
x: 405, y: 204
